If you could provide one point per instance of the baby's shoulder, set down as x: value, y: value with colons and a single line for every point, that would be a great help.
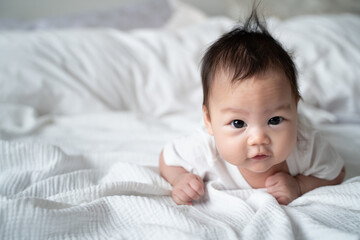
x: 199, y: 144
x: 305, y: 132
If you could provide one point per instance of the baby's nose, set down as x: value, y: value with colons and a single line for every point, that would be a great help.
x: 258, y: 137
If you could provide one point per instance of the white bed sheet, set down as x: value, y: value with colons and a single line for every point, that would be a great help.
x: 113, y: 190
x: 85, y: 113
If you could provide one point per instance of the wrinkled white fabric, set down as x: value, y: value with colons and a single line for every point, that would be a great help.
x: 327, y: 53
x: 76, y: 71
x: 73, y: 71
x: 46, y: 193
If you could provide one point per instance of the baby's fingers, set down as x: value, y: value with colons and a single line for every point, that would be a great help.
x: 191, y: 193
x: 279, y: 195
x: 272, y: 180
x: 189, y: 187
x: 197, y: 185
x: 180, y: 197
x: 283, y: 200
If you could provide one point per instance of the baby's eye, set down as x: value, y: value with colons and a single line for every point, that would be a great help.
x: 238, y: 123
x: 275, y: 120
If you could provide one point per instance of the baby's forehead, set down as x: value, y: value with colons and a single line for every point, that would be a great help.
x: 272, y: 79
x: 229, y: 77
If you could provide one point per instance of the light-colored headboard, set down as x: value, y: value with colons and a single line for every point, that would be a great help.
x: 279, y: 8
x: 32, y: 9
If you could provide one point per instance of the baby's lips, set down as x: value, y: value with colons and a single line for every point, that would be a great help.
x: 260, y: 157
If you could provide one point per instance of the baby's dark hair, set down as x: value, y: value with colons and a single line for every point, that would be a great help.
x: 244, y: 52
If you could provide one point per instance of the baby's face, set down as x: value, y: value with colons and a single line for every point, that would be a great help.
x: 254, y: 121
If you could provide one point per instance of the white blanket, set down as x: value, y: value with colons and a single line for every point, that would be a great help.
x: 48, y: 194
x: 85, y: 113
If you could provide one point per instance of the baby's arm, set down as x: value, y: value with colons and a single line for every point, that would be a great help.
x: 186, y: 186
x: 286, y: 188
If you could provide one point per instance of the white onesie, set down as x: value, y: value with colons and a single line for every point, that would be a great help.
x: 197, y: 153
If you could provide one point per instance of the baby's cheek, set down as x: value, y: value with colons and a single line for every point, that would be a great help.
x: 286, y: 145
x: 232, y: 152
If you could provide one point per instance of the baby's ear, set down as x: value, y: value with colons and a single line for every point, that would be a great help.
x: 207, y: 120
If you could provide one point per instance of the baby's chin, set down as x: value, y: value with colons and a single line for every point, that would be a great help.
x: 263, y: 167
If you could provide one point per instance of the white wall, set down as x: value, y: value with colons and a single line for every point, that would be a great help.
x: 31, y: 9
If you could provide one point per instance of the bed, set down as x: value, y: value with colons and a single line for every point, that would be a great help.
x: 85, y: 110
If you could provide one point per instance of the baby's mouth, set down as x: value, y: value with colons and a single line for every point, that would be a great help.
x: 260, y: 157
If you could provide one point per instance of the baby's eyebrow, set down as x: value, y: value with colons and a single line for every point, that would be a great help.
x: 236, y: 110
x: 285, y: 106
x: 282, y: 107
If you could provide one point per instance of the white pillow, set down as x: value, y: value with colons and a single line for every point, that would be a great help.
x: 327, y: 54
x: 156, y: 72
x: 75, y: 71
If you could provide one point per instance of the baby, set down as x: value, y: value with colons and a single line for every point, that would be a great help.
x: 254, y: 137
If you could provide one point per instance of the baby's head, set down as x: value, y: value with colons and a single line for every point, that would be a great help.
x: 250, y: 97
x: 244, y: 52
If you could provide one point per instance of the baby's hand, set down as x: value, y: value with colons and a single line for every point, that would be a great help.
x: 187, y: 187
x: 283, y: 187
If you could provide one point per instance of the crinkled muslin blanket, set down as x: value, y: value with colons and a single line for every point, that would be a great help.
x: 48, y: 194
